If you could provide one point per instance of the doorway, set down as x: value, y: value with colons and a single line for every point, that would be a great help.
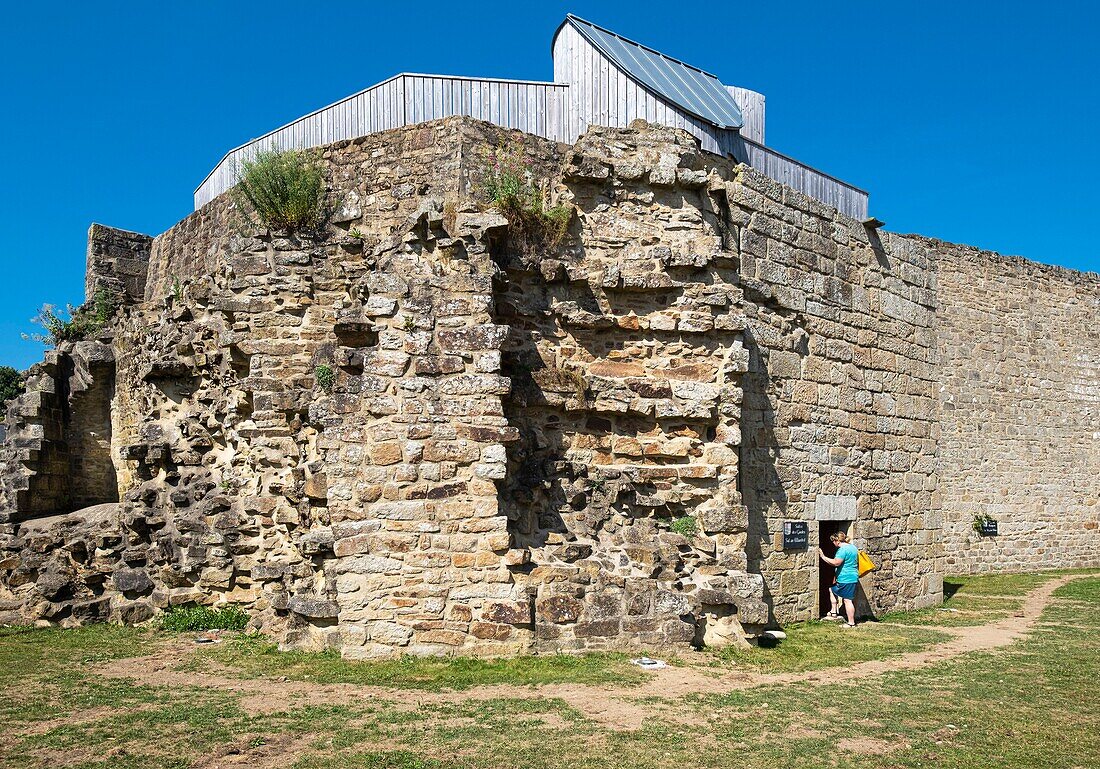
x: 826, y: 571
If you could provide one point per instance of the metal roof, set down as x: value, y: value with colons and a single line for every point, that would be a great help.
x: 691, y: 89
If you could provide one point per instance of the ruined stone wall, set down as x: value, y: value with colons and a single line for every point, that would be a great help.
x: 210, y: 430
x: 361, y: 515
x: 340, y: 513
x: 411, y: 440
x: 92, y: 479
x: 625, y: 354
x: 34, y: 456
x: 1019, y: 403
x: 56, y: 456
x: 118, y: 261
x: 422, y: 430
x: 720, y: 348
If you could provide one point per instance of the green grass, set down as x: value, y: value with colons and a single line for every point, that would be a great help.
x: 1078, y: 595
x: 31, y: 652
x: 961, y: 609
x: 979, y: 599
x: 819, y: 645
x: 190, y: 618
x: 994, y: 584
x: 256, y: 656
x: 1034, y: 703
x: 1080, y: 590
x: 386, y: 759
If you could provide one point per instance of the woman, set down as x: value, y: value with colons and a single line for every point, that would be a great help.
x: 847, y: 576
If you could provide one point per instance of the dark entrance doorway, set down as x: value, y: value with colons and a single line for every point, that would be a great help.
x: 827, y: 572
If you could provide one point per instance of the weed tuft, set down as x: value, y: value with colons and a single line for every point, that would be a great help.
x: 83, y: 322
x: 687, y: 526
x: 182, y: 619
x: 325, y: 376
x: 508, y: 184
x: 283, y: 188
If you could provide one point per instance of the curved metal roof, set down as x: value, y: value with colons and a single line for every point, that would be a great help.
x: 691, y: 89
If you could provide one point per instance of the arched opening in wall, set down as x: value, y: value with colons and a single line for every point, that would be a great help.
x: 93, y: 479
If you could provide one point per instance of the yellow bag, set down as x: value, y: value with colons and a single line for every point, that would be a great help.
x: 865, y: 565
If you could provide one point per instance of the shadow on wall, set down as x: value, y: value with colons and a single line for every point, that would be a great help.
x: 88, y: 434
x: 64, y: 424
x: 533, y: 491
x: 758, y: 475
x: 880, y: 250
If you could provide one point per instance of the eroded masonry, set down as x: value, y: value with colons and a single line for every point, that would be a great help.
x: 513, y: 438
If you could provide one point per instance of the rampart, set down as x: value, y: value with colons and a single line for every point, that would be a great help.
x: 1019, y: 399
x: 419, y: 432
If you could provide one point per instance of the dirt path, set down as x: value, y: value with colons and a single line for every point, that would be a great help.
x: 615, y: 709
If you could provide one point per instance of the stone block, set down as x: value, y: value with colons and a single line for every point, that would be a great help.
x: 723, y: 518
x: 132, y: 581
x: 389, y: 633
x: 558, y: 609
x: 313, y: 607
x: 507, y: 613
x: 490, y: 631
x: 441, y: 637
x: 752, y: 612
x: 601, y: 628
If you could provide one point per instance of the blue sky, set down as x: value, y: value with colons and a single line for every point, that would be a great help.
x: 973, y: 122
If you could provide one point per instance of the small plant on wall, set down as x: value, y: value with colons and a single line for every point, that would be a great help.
x: 325, y: 376
x: 283, y: 189
x: 83, y: 322
x: 509, y: 185
x: 687, y: 526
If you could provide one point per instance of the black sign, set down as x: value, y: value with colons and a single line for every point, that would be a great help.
x: 988, y: 528
x: 796, y: 535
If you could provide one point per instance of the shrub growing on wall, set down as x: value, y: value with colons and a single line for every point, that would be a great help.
x: 284, y: 189
x: 687, y: 526
x: 509, y: 184
x: 83, y: 322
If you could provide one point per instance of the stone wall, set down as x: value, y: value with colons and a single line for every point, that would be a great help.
x: 34, y: 457
x: 57, y: 454
x: 345, y: 515
x: 118, y: 261
x: 839, y: 419
x: 92, y: 479
x: 626, y: 355
x: 422, y: 431
x: 1019, y: 409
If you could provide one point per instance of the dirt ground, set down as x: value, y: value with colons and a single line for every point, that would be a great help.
x: 611, y: 708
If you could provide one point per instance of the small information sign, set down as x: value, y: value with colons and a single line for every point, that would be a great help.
x: 988, y: 528
x: 796, y: 535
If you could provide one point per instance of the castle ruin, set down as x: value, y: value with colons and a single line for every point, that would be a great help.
x: 511, y: 435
